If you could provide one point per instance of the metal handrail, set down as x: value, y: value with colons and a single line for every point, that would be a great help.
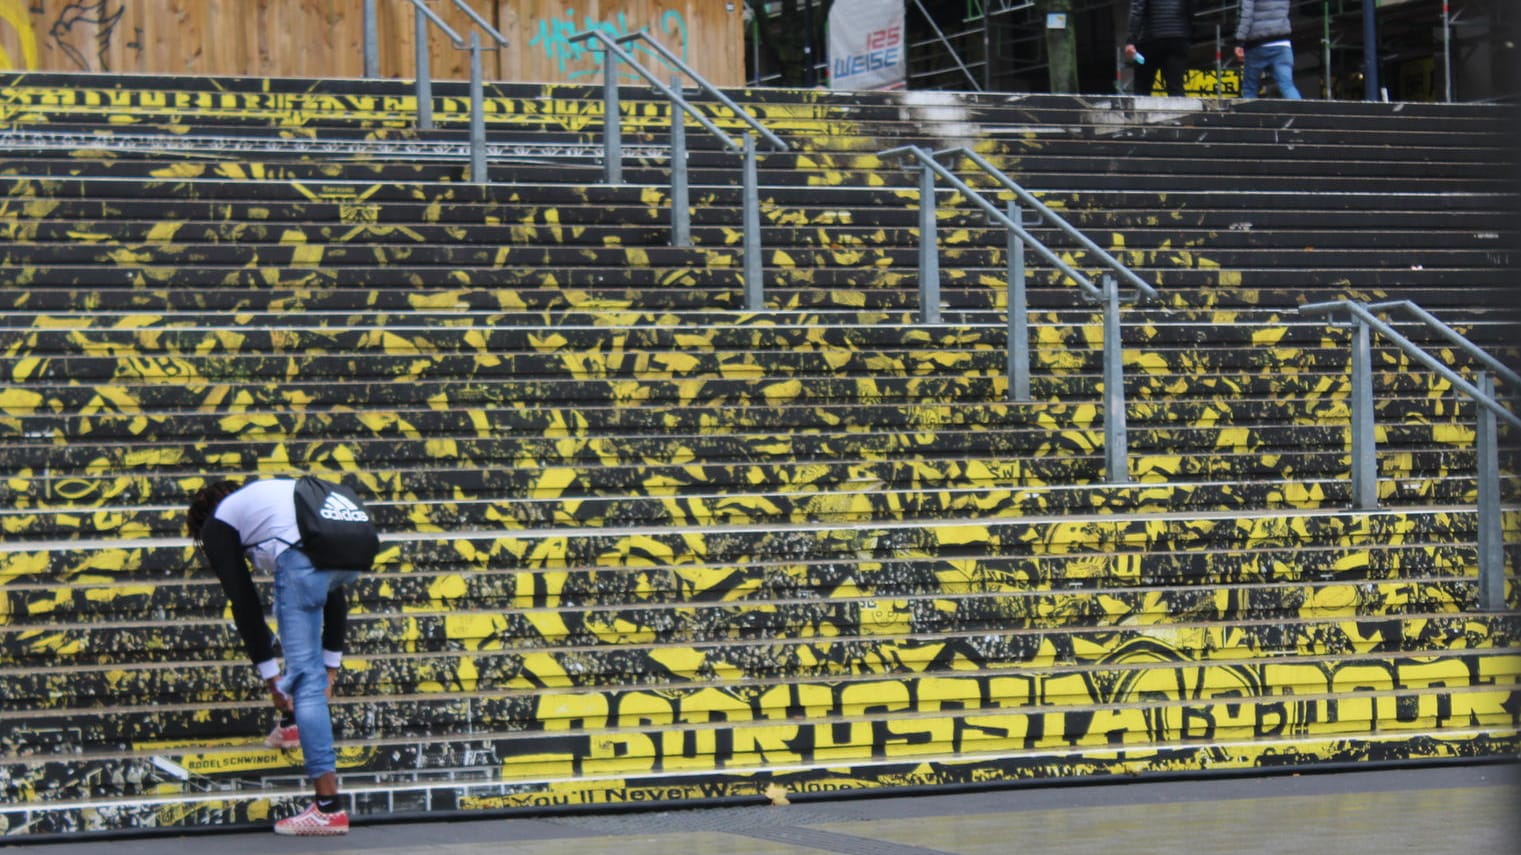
x: 475, y: 16
x: 1418, y: 353
x: 702, y: 83
x: 424, y: 83
x: 456, y: 38
x: 927, y: 160
x: 1451, y: 335
x: 1490, y: 547
x: 1054, y: 219
x: 612, y: 100
x: 1116, y: 466
x: 612, y: 155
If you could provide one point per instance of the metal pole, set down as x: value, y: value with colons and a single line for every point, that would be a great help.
x: 755, y: 297
x: 755, y: 46
x: 987, y: 46
x: 681, y: 215
x: 808, y: 78
x: 1019, y: 319
x: 424, y: 81
x: 955, y: 57
x: 612, y: 120
x: 1325, y: 46
x: 1116, y: 467
x: 477, y: 114
x: 1219, y: 61
x: 371, y: 41
x: 929, y: 253
x: 1364, y: 464
x: 1370, y: 51
x: 1491, y: 549
x: 1446, y: 51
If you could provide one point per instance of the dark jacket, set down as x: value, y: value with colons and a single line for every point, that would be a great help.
x: 1262, y: 21
x: 1160, y: 19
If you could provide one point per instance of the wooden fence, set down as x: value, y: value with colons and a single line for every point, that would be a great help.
x: 324, y: 38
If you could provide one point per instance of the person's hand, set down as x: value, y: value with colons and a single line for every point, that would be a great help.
x: 279, y: 698
x: 1240, y: 53
x: 332, y: 677
x: 1130, y: 51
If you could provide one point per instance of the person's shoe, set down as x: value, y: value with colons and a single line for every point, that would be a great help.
x: 314, y: 823
x: 284, y: 738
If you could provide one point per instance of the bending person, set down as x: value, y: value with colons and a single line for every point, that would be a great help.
x: 234, y: 525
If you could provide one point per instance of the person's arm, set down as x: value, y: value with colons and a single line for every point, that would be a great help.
x: 1244, y: 12
x: 225, y: 552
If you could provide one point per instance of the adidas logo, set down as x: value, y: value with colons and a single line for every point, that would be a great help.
x: 342, y: 510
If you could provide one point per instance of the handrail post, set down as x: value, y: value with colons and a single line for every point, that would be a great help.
x: 681, y: 215
x: 1364, y: 463
x: 1490, y: 545
x: 929, y: 253
x: 754, y: 288
x: 371, y: 41
x: 612, y: 120
x: 424, y: 83
x: 1019, y: 320
x: 1219, y: 61
x: 477, y: 114
x: 1116, y: 465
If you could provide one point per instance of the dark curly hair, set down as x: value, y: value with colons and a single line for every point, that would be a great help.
x: 204, y: 503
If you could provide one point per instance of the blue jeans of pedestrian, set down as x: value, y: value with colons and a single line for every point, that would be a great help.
x: 1276, y: 58
x: 300, y: 593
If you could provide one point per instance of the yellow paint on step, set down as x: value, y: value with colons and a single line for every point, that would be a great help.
x: 163, y: 232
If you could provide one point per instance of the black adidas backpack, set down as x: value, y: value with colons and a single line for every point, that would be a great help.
x: 337, y: 532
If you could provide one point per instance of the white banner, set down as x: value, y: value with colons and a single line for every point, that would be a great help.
x: 867, y: 45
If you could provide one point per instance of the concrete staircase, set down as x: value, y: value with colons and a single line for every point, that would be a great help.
x: 643, y: 545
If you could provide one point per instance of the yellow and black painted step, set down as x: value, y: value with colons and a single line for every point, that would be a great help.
x: 1483, y: 221
x: 565, y: 547
x: 710, y: 495
x: 440, y: 586
x: 712, y: 226
x: 1155, y: 353
x: 1156, y: 367
x: 578, y: 620
x: 626, y: 282
x: 1061, y: 674
x: 279, y: 305
x: 805, y: 443
x: 1143, y: 671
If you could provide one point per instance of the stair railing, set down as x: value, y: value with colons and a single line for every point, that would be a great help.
x: 776, y: 142
x: 1105, y: 293
x: 612, y: 154
x: 424, y: 84
x: 1363, y: 323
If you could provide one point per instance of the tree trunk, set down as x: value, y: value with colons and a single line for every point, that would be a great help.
x: 1061, y: 47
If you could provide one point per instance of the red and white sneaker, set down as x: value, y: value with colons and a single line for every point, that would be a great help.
x: 284, y: 738
x: 314, y: 823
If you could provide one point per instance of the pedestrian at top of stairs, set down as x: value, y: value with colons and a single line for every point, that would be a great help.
x: 1157, y: 41
x: 234, y: 525
x: 1262, y: 44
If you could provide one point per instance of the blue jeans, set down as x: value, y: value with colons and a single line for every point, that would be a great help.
x: 300, y: 594
x: 1277, y: 58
